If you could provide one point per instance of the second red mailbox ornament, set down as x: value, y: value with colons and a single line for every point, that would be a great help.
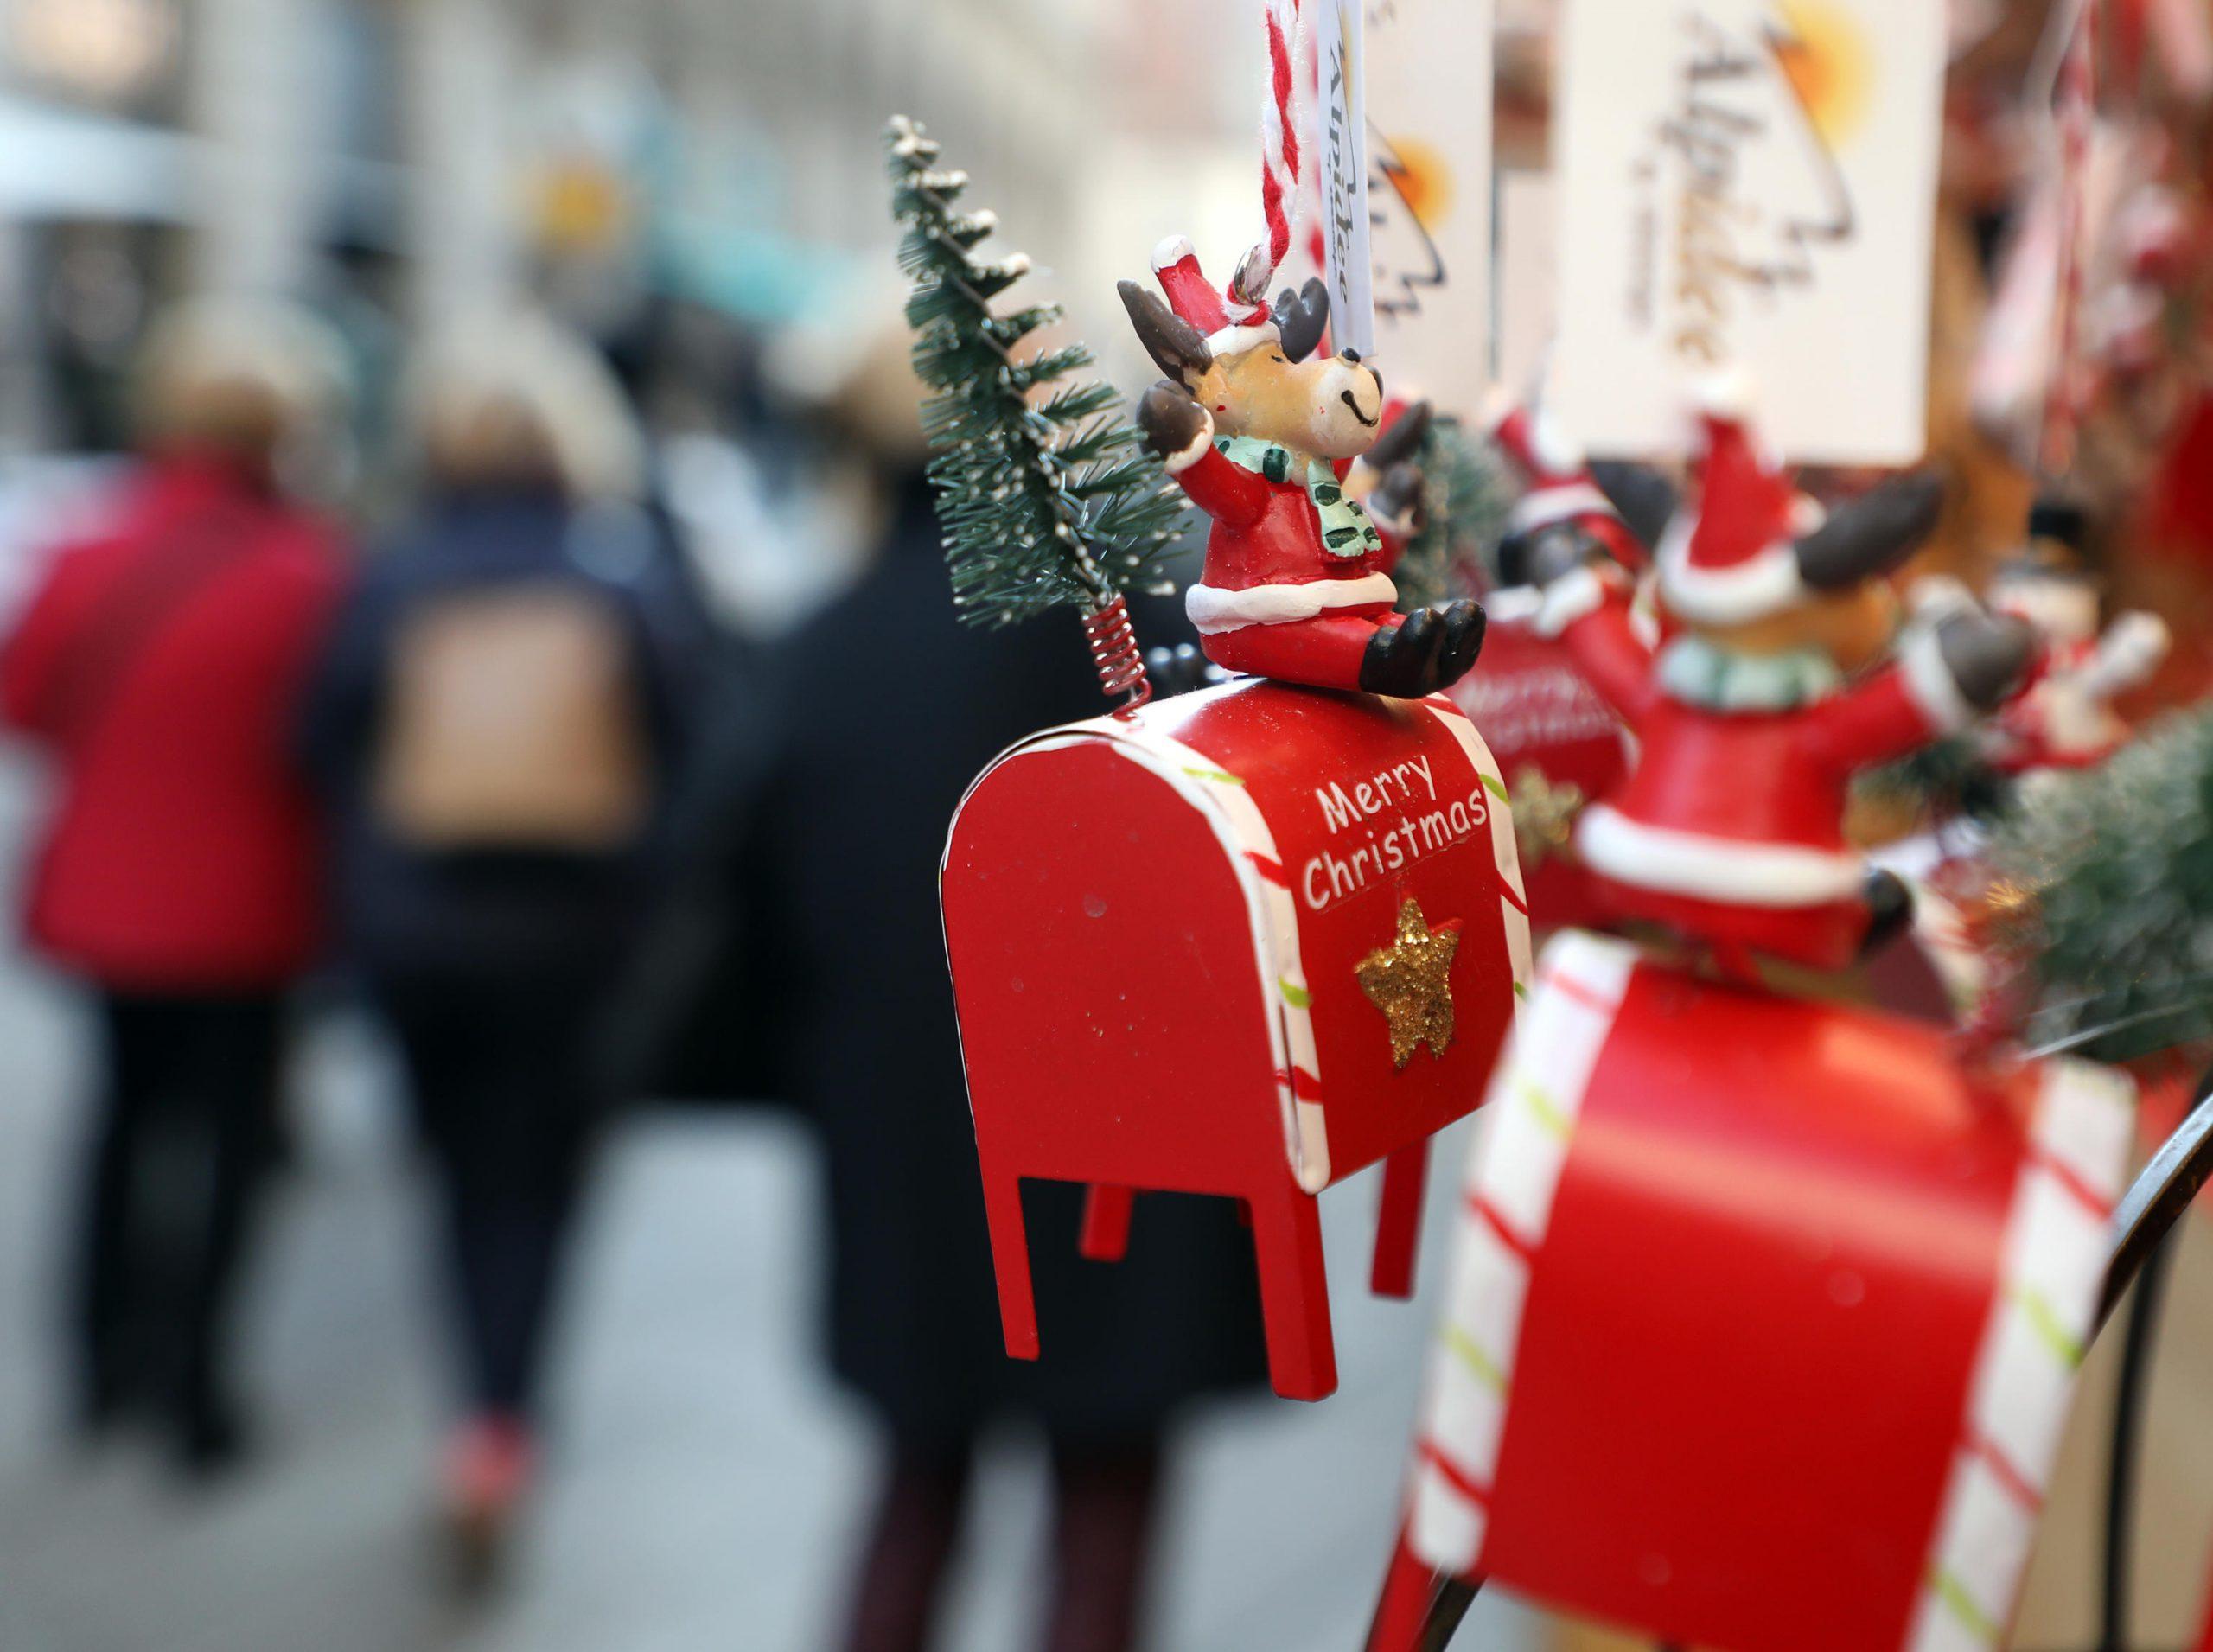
x: 1243, y: 943
x: 1762, y: 1319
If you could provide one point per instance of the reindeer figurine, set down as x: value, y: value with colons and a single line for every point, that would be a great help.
x: 1260, y: 433
x: 1769, y: 691
x: 2066, y: 720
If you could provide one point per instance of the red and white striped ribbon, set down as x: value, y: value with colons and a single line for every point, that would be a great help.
x: 2074, y: 113
x: 1282, y: 159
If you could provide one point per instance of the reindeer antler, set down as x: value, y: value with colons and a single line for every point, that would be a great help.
x: 1874, y: 533
x: 1301, y: 318
x: 1177, y: 348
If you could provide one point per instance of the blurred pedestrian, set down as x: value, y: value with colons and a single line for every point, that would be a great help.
x: 159, y: 666
x: 495, y: 725
x: 889, y: 709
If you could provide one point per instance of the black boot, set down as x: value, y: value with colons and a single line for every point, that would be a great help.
x: 1402, y: 660
x: 1889, y: 910
x: 1465, y: 624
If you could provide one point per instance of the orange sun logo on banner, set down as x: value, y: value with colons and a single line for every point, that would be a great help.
x: 1419, y: 175
x: 1829, y: 63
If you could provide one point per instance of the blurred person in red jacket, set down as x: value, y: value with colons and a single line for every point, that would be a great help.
x: 160, y: 665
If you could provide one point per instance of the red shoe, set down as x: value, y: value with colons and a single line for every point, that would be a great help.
x: 490, y: 1462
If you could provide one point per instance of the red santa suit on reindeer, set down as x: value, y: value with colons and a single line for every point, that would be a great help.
x: 1558, y: 742
x: 1729, y: 827
x: 2066, y: 719
x: 1561, y: 491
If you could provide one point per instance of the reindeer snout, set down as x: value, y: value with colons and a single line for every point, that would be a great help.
x: 1365, y: 401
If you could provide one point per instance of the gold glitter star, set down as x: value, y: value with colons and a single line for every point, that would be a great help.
x: 1544, y: 815
x: 1411, y: 982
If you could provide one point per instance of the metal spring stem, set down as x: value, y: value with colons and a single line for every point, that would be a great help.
x: 1114, y: 653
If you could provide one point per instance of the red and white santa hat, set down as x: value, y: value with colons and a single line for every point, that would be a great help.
x: 1560, y: 486
x: 1231, y: 326
x: 1730, y: 555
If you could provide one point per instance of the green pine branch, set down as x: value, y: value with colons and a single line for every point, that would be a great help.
x: 1044, y: 498
x: 1944, y: 781
x: 1463, y: 508
x: 2116, y: 863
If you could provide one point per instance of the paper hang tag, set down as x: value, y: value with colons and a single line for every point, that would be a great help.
x: 1749, y: 183
x: 1340, y: 139
x: 1429, y: 190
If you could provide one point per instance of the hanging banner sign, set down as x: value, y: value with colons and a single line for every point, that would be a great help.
x: 1341, y: 122
x: 1750, y: 184
x: 1429, y: 164
x: 1528, y: 279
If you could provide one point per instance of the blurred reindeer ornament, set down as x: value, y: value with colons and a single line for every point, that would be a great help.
x: 1754, y: 715
x: 1559, y: 743
x: 2066, y: 720
x: 1705, y: 1368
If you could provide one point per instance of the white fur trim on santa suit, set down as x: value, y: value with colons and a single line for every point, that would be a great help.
x: 1549, y: 505
x: 1236, y: 341
x: 1935, y: 595
x: 1930, y: 680
x: 1215, y: 608
x: 1172, y: 250
x: 1728, y: 392
x: 1551, y: 446
x: 1762, y: 584
x: 1733, y: 869
x: 1567, y: 599
x: 2130, y: 651
x: 2062, y: 609
x: 1184, y: 457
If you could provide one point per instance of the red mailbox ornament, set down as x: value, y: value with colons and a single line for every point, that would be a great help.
x: 1243, y: 943
x: 1764, y: 1316
x: 1559, y: 745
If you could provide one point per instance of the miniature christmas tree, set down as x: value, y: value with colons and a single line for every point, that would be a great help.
x: 1044, y: 496
x: 1947, y: 779
x: 2110, y: 871
x: 1464, y: 501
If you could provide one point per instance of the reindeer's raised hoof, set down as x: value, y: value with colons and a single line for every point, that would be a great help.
x: 1890, y: 910
x: 1464, y: 625
x: 1401, y: 660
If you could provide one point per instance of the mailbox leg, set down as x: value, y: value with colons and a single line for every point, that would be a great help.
x: 1106, y: 1234
x: 1418, y: 1609
x: 1010, y: 1262
x: 1294, y: 1293
x: 1398, y: 1221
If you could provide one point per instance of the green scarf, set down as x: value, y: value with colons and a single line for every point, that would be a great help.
x: 1695, y: 672
x: 1346, y: 530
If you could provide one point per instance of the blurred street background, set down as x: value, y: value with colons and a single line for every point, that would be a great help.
x: 709, y: 1488
x: 694, y: 189
x: 489, y: 1169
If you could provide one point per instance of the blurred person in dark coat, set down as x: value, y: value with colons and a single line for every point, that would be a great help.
x: 495, y: 725
x: 160, y: 665
x: 888, y: 708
